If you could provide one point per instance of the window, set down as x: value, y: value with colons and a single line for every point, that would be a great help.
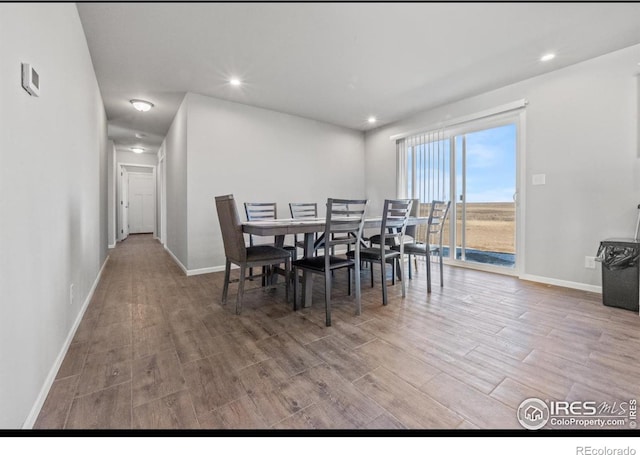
x: 474, y: 164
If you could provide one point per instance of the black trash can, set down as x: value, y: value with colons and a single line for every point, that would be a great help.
x: 620, y: 273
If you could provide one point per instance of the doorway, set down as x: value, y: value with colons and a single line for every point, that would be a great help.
x: 477, y: 165
x: 136, y: 200
x: 141, y: 203
x: 485, y: 196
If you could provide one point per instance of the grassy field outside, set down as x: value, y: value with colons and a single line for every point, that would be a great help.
x: 490, y: 226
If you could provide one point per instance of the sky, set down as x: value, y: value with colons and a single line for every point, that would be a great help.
x: 490, y: 167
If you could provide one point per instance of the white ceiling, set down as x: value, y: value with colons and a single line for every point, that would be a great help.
x: 333, y: 62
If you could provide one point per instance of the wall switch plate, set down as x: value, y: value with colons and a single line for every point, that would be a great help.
x: 589, y: 262
x: 539, y: 179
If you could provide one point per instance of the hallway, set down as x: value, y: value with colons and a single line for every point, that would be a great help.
x: 155, y: 349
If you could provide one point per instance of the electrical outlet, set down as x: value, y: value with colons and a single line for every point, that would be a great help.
x: 589, y: 262
x: 71, y: 294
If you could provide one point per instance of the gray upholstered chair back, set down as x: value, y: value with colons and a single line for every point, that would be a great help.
x: 231, y: 227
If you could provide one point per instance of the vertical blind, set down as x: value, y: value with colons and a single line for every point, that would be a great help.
x: 423, y: 166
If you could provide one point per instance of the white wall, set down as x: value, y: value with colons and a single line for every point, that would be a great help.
x: 581, y: 128
x: 175, y: 146
x: 161, y: 177
x: 147, y: 159
x: 111, y: 189
x: 53, y: 187
x: 257, y: 155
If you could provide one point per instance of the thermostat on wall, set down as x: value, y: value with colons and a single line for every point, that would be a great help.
x: 30, y: 80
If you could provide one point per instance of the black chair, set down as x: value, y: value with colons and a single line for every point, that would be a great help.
x: 392, y: 231
x: 263, y: 211
x: 435, y: 228
x: 346, y: 218
x: 238, y: 253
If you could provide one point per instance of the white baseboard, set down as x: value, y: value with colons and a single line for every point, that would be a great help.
x: 562, y: 283
x: 192, y: 272
x: 176, y: 260
x: 112, y: 246
x: 219, y: 268
x: 46, y: 387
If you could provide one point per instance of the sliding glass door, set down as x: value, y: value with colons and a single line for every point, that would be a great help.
x: 485, y: 195
x: 475, y: 166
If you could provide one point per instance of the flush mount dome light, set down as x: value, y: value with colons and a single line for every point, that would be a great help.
x: 141, y: 105
x: 547, y: 57
x: 137, y: 149
x: 235, y: 81
x: 371, y: 119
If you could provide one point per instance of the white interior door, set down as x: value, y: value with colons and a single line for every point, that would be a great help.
x: 124, y: 203
x: 141, y: 203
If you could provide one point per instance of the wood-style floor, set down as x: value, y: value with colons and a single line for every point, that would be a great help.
x: 155, y: 349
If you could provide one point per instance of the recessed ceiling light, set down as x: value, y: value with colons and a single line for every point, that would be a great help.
x: 141, y: 105
x: 137, y: 149
x: 547, y: 57
x: 372, y: 119
x: 235, y: 81
x: 140, y: 135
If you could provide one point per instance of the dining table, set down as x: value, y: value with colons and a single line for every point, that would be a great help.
x: 279, y: 228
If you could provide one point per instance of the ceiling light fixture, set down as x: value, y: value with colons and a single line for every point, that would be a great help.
x: 137, y: 149
x: 235, y: 81
x: 141, y: 105
x: 372, y: 119
x: 547, y: 57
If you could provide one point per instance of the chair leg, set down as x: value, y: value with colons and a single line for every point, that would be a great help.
x: 401, y: 264
x: 371, y: 270
x: 441, y: 272
x: 327, y: 297
x: 393, y: 272
x: 410, y: 277
x: 295, y: 288
x: 240, y: 290
x: 225, y: 289
x: 428, y: 265
x: 287, y: 278
x: 349, y: 280
x: 357, y: 285
x: 383, y: 268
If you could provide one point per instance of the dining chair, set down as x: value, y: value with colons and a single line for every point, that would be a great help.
x: 238, y: 253
x: 264, y: 211
x: 435, y: 228
x: 345, y: 218
x: 302, y: 210
x: 392, y: 231
x: 410, y: 234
